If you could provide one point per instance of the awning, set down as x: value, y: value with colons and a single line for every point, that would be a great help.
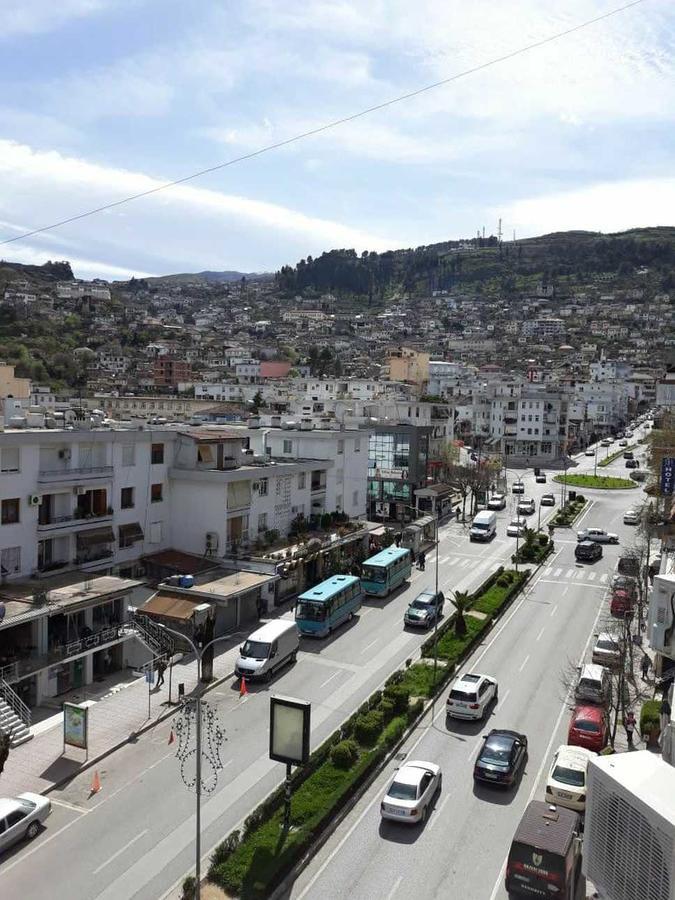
x: 95, y: 536
x: 130, y: 533
x: 170, y: 606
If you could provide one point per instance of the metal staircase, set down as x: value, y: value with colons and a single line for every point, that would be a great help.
x: 155, y: 638
x: 15, y: 716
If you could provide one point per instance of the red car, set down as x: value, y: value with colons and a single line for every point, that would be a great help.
x: 622, y: 602
x: 588, y: 728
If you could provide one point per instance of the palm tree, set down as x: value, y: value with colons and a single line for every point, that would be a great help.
x: 462, y: 602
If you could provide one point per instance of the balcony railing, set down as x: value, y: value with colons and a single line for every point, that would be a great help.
x: 64, y: 521
x: 84, y: 559
x: 86, y: 473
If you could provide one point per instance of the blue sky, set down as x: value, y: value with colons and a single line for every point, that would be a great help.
x: 102, y: 98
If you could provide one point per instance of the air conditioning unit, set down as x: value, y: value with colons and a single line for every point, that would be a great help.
x: 211, y: 540
x: 79, y: 491
x: 661, y: 619
x: 34, y: 500
x: 629, y: 834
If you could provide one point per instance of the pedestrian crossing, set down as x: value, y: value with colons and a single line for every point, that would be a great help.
x: 578, y: 575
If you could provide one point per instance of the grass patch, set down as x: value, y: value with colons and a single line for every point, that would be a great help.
x: 419, y: 679
x: 612, y: 456
x: 601, y: 482
x: 451, y: 647
x: 492, y: 600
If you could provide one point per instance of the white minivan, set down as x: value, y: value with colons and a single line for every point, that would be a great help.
x: 268, y: 649
x: 484, y: 526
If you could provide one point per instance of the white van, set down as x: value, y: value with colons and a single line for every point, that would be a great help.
x: 268, y: 649
x: 484, y: 526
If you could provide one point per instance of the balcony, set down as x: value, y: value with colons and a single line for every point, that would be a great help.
x: 68, y: 476
x: 95, y: 557
x: 58, y: 523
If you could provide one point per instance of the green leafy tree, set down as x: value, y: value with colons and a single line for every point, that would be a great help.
x: 462, y: 602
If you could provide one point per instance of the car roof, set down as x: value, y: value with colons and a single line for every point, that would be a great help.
x: 547, y: 828
x: 7, y: 805
x: 411, y: 773
x: 588, y: 711
x: 607, y: 636
x: 592, y: 671
x: 470, y: 678
x: 428, y: 593
x: 574, y: 757
x: 587, y: 544
x: 503, y: 737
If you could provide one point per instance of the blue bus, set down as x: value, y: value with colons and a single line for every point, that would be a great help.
x: 385, y: 571
x: 322, y: 608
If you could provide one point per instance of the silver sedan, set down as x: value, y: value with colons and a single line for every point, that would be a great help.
x: 411, y: 792
x: 21, y: 817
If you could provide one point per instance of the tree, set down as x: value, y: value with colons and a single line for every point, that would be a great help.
x: 460, y: 479
x: 462, y: 602
x: 257, y: 401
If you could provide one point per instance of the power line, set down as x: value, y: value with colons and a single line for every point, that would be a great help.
x: 328, y: 125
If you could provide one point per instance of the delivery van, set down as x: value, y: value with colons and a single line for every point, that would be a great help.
x: 268, y: 649
x: 484, y: 526
x: 545, y: 855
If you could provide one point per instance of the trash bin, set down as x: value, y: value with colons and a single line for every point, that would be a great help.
x: 572, y: 495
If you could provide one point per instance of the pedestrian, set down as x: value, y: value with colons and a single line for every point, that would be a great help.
x: 421, y: 559
x: 645, y: 665
x: 398, y: 539
x: 161, y: 669
x: 261, y: 607
x: 629, y: 725
x: 665, y: 714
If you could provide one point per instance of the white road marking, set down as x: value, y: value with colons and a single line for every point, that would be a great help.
x: 603, y: 578
x: 443, y: 560
x: 328, y: 680
x: 70, y: 806
x: 541, y: 632
x: 557, y: 573
x: 396, y: 886
x: 504, y: 696
x: 591, y: 576
x: 569, y: 584
x: 554, y: 610
x: 368, y: 646
x: 476, y: 746
x: 547, y: 571
x: 120, y: 851
x: 524, y: 663
x: 570, y: 573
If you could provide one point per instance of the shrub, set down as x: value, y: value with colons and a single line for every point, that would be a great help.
x: 650, y: 716
x: 394, y: 732
x: 189, y: 888
x: 415, y: 710
x: 399, y: 696
x: 395, y: 678
x: 386, y: 707
x: 224, y: 850
x: 369, y: 727
x: 374, y: 699
x: 503, y: 580
x: 543, y: 540
x: 344, y: 754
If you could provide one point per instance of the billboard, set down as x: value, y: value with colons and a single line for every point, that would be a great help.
x: 75, y: 722
x: 668, y: 475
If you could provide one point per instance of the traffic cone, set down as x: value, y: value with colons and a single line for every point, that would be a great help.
x: 243, y: 690
x: 95, y: 783
x: 172, y: 736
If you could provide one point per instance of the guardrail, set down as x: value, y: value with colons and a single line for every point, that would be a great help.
x: 15, y: 702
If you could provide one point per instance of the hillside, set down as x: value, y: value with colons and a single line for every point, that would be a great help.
x: 207, y: 277
x: 484, y: 264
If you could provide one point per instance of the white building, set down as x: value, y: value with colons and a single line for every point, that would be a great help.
x: 665, y: 391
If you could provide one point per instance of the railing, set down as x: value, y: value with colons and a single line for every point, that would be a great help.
x: 74, y: 473
x: 154, y: 637
x: 15, y: 702
x: 74, y: 518
x: 83, y: 560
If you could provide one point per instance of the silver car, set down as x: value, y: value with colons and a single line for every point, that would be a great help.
x: 21, y: 817
x: 411, y: 792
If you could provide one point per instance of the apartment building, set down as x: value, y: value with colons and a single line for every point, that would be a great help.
x: 404, y: 364
x: 398, y: 457
x: 171, y: 372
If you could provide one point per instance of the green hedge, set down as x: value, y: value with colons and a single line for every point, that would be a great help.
x: 570, y: 511
x: 534, y: 553
x: 650, y: 716
x: 612, y: 456
x: 599, y: 482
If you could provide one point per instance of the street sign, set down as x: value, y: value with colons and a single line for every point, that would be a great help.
x: 668, y: 475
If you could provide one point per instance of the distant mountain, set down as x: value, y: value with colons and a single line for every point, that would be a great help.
x: 49, y: 272
x: 210, y: 277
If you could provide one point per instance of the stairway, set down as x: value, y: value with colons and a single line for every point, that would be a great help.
x: 156, y: 639
x: 10, y: 722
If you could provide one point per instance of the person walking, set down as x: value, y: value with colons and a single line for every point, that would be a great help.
x: 645, y: 665
x: 629, y: 725
x: 161, y: 669
x: 665, y: 711
x: 421, y: 559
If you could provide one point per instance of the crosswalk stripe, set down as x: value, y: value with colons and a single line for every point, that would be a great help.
x: 570, y: 573
x: 603, y: 578
x: 591, y: 576
x: 557, y: 573
x: 548, y: 570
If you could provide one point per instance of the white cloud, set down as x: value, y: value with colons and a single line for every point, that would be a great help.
x: 36, y: 16
x: 30, y: 254
x: 608, y: 207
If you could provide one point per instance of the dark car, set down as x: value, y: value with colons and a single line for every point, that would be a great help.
x: 632, y: 464
x: 588, y: 551
x: 501, y: 758
x: 424, y: 610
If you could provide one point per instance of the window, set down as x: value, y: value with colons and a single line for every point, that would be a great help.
x: 341, y: 446
x: 357, y: 445
x: 10, y: 561
x: 340, y: 476
x: 355, y: 498
x: 288, y: 446
x: 127, y: 498
x: 16, y: 816
x: 262, y: 522
x: 263, y: 487
x: 156, y: 493
x: 157, y: 454
x: 10, y: 511
x: 128, y: 455
x: 9, y: 459
x: 302, y: 480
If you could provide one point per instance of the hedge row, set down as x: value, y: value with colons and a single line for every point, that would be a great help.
x: 535, y: 552
x: 612, y: 456
x: 569, y: 512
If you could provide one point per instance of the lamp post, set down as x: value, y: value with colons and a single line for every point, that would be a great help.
x: 199, y: 653
x: 595, y: 461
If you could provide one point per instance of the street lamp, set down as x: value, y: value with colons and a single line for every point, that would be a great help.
x: 199, y: 653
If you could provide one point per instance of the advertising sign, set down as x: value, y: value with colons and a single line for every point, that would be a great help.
x: 289, y: 730
x: 668, y: 475
x: 75, y: 725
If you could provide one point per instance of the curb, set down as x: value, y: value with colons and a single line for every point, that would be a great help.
x: 88, y: 764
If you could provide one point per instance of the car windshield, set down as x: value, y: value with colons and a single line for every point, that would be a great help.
x: 421, y: 603
x: 480, y: 526
x: 314, y: 612
x: 400, y: 791
x: 607, y: 645
x: 464, y: 696
x: 586, y: 725
x: 496, y: 752
x: 256, y: 649
x: 574, y: 777
x: 28, y: 805
x: 374, y: 573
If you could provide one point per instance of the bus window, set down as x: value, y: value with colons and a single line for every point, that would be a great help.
x: 315, y: 612
x: 374, y: 573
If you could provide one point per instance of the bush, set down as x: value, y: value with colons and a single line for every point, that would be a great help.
x: 395, y: 678
x: 399, y: 697
x: 543, y: 540
x: 394, y: 732
x: 374, y: 699
x: 415, y: 710
x: 368, y: 728
x: 387, y: 709
x: 650, y: 716
x: 344, y: 754
x: 189, y: 888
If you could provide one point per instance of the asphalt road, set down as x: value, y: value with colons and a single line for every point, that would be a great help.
x: 462, y: 848
x: 135, y: 839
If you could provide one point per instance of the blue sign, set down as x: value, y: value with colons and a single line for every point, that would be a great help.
x: 668, y: 475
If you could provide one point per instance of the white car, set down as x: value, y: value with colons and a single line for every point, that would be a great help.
x: 631, y: 517
x: 411, y: 792
x: 599, y: 535
x: 589, y: 452
x: 497, y: 501
x: 606, y: 651
x: 517, y: 487
x: 606, y: 443
x: 471, y: 695
x: 516, y: 527
x: 21, y: 817
x: 566, y: 785
x: 526, y: 506
x: 623, y: 443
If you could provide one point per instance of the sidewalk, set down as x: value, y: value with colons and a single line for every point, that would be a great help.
x: 41, y: 764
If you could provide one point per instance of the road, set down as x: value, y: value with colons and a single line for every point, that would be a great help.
x: 462, y: 848
x: 135, y: 837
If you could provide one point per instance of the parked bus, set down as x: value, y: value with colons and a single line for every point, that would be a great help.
x: 420, y: 535
x: 385, y: 571
x: 322, y: 608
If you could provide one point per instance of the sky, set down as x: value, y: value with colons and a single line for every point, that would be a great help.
x: 106, y: 98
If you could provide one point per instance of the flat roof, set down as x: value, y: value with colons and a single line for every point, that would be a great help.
x: 384, y: 557
x: 327, y: 588
x: 230, y: 584
x: 545, y: 828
